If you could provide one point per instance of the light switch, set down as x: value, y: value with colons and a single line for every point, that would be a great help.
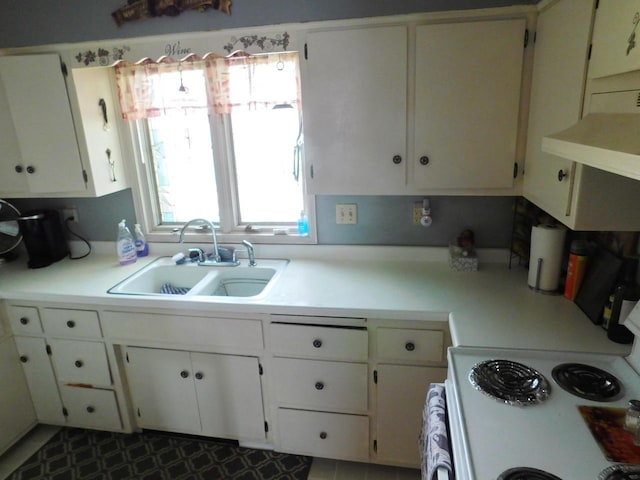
x: 346, y: 213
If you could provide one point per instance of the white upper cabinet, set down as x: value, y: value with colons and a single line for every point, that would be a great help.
x: 39, y: 106
x: 354, y: 101
x: 616, y: 38
x: 369, y: 131
x: 467, y: 99
x: 581, y: 197
x: 51, y: 148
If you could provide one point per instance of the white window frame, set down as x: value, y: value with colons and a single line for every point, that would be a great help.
x: 228, y: 232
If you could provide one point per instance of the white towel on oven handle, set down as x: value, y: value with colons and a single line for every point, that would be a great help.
x: 436, y: 456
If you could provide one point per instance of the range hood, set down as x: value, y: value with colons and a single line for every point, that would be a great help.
x: 608, y: 137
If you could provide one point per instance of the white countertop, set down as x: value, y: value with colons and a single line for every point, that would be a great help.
x: 493, y: 307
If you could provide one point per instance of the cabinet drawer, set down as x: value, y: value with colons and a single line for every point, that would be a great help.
x: 71, y: 323
x: 410, y: 345
x: 322, y: 385
x: 320, y: 434
x: 80, y: 362
x: 239, y: 333
x: 24, y: 320
x: 319, y: 342
x: 91, y: 407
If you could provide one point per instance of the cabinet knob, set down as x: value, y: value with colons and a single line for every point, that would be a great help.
x: 317, y: 343
x: 199, y: 375
x: 78, y: 363
x: 319, y: 385
x: 562, y: 175
x: 19, y: 168
x: 90, y: 409
x: 323, y: 435
x: 24, y: 320
x: 24, y: 358
x: 397, y: 159
x: 424, y: 160
x: 184, y: 374
x: 31, y: 169
x: 71, y: 323
x: 409, y: 346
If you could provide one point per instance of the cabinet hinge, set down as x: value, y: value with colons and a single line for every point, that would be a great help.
x: 311, y: 171
x: 85, y: 176
x: 306, y: 52
x: 63, y: 67
x: 515, y: 169
x: 48, y: 349
x: 260, y: 369
x: 375, y: 446
x: 375, y: 376
x: 65, y: 412
x: 597, y: 4
x: 138, y: 410
x: 589, y: 54
x: 526, y: 37
x: 535, y: 36
x: 266, y: 427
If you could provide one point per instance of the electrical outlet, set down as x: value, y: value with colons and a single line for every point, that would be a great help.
x: 346, y: 213
x: 68, y: 212
x: 417, y: 213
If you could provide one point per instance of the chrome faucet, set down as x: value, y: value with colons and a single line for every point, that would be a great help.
x: 213, y: 234
x: 250, y: 253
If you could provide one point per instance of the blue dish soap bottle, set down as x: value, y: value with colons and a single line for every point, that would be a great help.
x: 142, y: 247
x: 303, y: 225
x: 125, y: 245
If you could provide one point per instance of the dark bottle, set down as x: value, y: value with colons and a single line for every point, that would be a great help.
x: 626, y: 295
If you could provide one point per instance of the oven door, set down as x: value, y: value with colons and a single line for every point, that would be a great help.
x: 437, y: 462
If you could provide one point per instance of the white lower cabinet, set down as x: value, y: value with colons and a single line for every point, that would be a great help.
x: 17, y: 414
x: 199, y: 393
x: 323, y: 434
x: 91, y: 407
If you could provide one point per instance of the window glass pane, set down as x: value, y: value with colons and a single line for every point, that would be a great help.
x: 263, y: 143
x: 183, y: 166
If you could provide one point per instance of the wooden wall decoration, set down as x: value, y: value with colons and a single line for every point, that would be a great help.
x: 143, y: 9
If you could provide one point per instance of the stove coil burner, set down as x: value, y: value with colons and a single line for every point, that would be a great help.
x: 620, y: 472
x: 511, y: 382
x: 587, y: 382
x: 526, y: 473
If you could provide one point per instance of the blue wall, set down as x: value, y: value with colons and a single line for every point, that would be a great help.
x: 383, y: 220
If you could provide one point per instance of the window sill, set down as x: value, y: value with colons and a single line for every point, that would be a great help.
x: 232, y: 238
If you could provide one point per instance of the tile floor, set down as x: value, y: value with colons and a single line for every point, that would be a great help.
x: 321, y: 468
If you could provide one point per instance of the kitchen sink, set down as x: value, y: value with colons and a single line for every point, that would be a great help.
x: 163, y: 277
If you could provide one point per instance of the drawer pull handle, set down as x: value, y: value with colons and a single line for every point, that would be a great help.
x: 71, y: 323
x: 410, y: 346
x: 323, y: 435
x: 90, y: 409
x: 78, y: 363
x: 317, y: 343
x: 24, y: 358
x: 24, y: 320
x: 319, y: 385
x: 184, y: 374
x: 199, y: 375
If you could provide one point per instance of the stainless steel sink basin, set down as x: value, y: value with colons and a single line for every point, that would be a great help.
x: 165, y: 278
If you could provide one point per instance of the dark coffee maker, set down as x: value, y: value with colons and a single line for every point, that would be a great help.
x: 43, y: 237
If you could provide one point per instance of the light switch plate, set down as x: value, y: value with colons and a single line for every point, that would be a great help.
x: 346, y: 213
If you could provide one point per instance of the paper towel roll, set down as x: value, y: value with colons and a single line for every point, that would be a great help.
x: 545, y: 259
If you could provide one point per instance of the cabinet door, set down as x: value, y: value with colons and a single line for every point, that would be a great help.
x: 354, y: 97
x: 39, y: 105
x: 41, y: 380
x: 81, y: 362
x: 91, y: 407
x: 12, y: 179
x: 467, y: 101
x: 402, y: 391
x: 229, y: 396
x: 560, y: 62
x: 164, y: 395
x: 17, y: 414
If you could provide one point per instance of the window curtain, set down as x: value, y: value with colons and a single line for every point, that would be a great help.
x: 219, y: 84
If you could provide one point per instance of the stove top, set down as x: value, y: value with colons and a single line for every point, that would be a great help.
x: 524, y: 473
x: 492, y: 438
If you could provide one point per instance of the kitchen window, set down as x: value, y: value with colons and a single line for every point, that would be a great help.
x: 218, y: 138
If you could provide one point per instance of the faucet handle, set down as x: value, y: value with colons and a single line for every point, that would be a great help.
x: 197, y: 253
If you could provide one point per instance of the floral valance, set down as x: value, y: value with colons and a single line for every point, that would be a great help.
x: 220, y: 84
